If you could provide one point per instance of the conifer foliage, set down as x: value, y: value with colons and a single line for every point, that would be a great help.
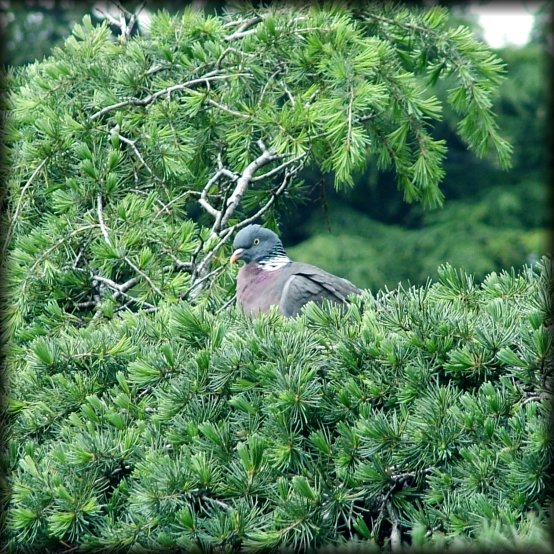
x: 417, y: 416
x: 146, y: 412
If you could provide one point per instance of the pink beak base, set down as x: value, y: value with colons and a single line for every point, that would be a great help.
x: 235, y: 256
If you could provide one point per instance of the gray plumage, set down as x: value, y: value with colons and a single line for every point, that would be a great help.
x: 270, y: 278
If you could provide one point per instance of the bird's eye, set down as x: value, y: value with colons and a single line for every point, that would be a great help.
x: 256, y: 241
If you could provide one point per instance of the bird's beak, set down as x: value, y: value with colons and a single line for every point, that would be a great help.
x: 236, y: 255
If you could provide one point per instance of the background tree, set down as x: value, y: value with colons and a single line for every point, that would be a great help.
x: 144, y: 411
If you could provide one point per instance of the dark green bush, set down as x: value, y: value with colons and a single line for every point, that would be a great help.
x: 415, y: 415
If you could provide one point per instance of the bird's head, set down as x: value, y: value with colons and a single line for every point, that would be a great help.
x: 255, y: 244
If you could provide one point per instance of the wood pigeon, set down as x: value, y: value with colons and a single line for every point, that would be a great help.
x: 271, y: 278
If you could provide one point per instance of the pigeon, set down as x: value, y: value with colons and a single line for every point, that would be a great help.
x: 270, y: 278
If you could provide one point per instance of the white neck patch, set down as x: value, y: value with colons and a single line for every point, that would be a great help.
x: 274, y: 263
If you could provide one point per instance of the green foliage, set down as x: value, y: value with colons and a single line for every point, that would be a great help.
x: 143, y: 413
x: 133, y: 160
x: 415, y: 415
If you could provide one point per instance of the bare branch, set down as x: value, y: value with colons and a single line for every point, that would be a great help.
x: 279, y: 168
x: 204, y: 195
x: 101, y: 220
x: 535, y: 397
x: 244, y: 181
x: 208, y: 207
x: 125, y: 27
x: 226, y: 234
x: 121, y: 290
x: 110, y: 18
x: 134, y: 18
x: 157, y: 67
x: 85, y: 305
x: 179, y: 264
x: 121, y: 8
x: 242, y: 30
x: 211, y: 76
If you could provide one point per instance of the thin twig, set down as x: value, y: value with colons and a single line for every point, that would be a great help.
x: 226, y: 109
x: 231, y: 49
x: 80, y: 254
x: 138, y: 270
x: 20, y: 203
x: 132, y: 144
x: 291, y: 97
x: 349, y: 132
x: 197, y: 283
x: 121, y: 290
x: 227, y: 304
x: 274, y: 195
x: 165, y: 207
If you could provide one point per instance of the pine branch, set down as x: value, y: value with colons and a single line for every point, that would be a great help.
x: 211, y: 76
x: 18, y: 208
x: 49, y: 250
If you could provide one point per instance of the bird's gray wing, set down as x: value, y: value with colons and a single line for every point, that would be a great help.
x: 308, y: 283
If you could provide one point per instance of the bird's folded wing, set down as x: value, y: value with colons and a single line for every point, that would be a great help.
x: 309, y: 283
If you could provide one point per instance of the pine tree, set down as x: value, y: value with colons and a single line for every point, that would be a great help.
x: 144, y: 410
